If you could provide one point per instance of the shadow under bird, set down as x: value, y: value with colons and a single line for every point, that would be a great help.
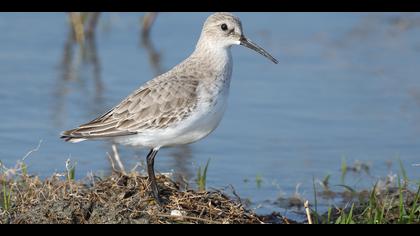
x: 180, y: 106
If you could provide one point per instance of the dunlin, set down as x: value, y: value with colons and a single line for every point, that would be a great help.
x: 180, y: 106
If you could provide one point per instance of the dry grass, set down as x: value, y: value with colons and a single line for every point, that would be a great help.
x: 116, y: 199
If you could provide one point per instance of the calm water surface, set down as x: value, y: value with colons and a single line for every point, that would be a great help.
x: 347, y: 86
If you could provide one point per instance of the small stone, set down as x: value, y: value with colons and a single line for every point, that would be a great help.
x: 177, y: 213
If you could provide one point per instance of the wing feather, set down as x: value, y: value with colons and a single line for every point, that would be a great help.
x: 158, y: 104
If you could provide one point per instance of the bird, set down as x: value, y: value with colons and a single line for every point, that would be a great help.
x: 178, y: 107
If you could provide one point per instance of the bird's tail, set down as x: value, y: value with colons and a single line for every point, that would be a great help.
x: 69, y: 137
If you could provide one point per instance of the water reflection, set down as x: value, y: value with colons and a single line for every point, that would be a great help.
x: 79, y: 56
x: 182, y: 156
x: 148, y: 19
x: 154, y: 55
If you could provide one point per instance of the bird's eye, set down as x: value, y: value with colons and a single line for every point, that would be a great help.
x: 224, y: 27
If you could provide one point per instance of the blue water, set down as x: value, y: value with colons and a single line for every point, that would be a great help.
x: 347, y: 86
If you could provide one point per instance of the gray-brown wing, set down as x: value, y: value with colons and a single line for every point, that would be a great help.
x: 153, y: 106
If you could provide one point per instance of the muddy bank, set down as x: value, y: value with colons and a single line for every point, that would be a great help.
x: 125, y: 199
x: 117, y: 199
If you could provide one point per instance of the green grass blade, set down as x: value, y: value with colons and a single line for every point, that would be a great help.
x: 352, y: 190
x: 401, y: 207
x: 24, y: 169
x: 329, y: 215
x: 343, y: 169
x: 6, y: 196
x: 414, y: 207
x: 339, y: 220
x: 372, y: 204
x: 403, y: 172
x: 205, y: 173
x: 315, y: 201
x: 258, y: 180
x: 202, y: 177
x: 71, y: 170
x: 349, y: 219
x: 72, y: 173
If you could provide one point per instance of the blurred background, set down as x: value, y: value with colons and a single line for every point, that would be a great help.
x: 343, y: 104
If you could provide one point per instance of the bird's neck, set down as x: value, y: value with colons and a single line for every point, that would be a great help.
x: 217, y: 59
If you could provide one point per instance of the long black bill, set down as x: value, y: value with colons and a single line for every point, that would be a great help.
x: 249, y: 44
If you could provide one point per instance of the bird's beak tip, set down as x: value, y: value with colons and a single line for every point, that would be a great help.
x: 251, y: 45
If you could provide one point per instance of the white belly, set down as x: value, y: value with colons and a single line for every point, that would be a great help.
x: 202, y: 122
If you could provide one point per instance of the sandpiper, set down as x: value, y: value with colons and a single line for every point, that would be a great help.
x: 180, y: 106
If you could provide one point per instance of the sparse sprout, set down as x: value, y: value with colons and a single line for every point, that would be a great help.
x: 71, y: 169
x: 343, y: 169
x: 202, y: 177
x: 6, y: 196
x: 259, y: 180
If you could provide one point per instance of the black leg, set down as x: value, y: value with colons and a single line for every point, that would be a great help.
x: 151, y: 172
